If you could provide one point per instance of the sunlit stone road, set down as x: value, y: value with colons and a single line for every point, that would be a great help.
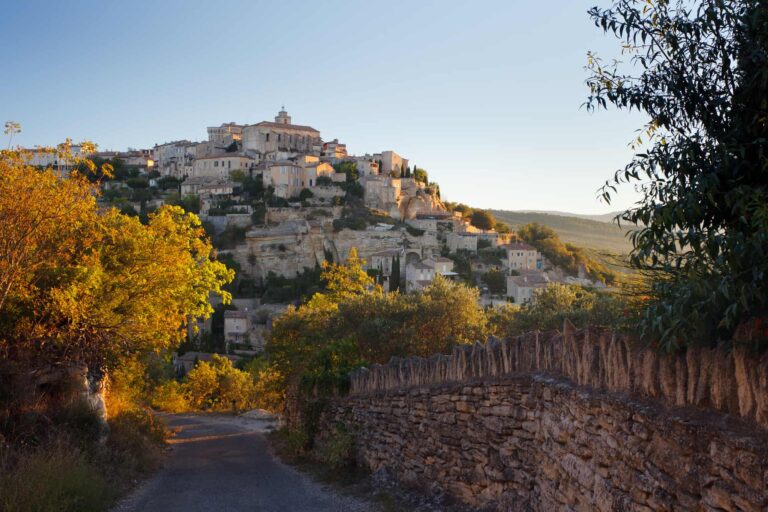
x: 223, y: 464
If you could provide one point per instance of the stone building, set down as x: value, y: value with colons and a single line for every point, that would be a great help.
x: 225, y: 134
x: 522, y: 256
x: 175, y: 158
x: 391, y: 162
x: 237, y: 326
x: 221, y: 165
x: 280, y: 135
x: 334, y: 150
x: 289, y: 177
x: 522, y: 289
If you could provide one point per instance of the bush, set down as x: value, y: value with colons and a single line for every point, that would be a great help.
x: 218, y: 385
x: 336, y: 449
x: 54, y: 477
x: 414, y: 231
x: 135, y: 439
x: 169, y: 397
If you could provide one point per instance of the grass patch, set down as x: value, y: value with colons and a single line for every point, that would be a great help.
x: 66, y: 466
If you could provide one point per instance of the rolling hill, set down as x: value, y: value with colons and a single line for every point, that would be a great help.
x: 597, y: 235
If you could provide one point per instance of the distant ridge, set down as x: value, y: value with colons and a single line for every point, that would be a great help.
x: 600, y: 217
x: 582, y: 230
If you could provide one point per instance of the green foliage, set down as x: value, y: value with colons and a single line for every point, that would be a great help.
x: 190, y: 203
x: 558, y: 302
x: 259, y: 214
x: 169, y: 182
x: 496, y: 281
x: 354, y: 189
x: 699, y: 73
x: 420, y: 175
x: 137, y: 182
x: 231, y: 237
x: 349, y: 168
x: 564, y: 255
x: 279, y: 289
x: 324, y: 181
x: 414, y: 231
x: 354, y: 223
x: 237, y: 175
x: 500, y: 227
x: 336, y: 449
x: 481, y: 219
x: 306, y: 194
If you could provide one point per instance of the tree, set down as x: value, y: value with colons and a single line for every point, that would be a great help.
x: 79, y: 285
x: 502, y: 228
x: 237, y: 175
x: 346, y: 280
x: 349, y: 168
x: 496, y: 281
x: 306, y: 194
x: 700, y: 73
x: 420, y: 175
x: 481, y: 219
x: 394, y: 278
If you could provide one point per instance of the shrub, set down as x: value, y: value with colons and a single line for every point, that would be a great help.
x: 54, y: 477
x: 135, y: 439
x: 336, y: 449
x: 169, y: 397
x: 414, y: 231
x: 219, y: 385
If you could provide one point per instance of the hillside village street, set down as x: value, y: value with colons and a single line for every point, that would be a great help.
x: 221, y: 463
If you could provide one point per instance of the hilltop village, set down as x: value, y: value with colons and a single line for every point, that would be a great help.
x: 278, y: 200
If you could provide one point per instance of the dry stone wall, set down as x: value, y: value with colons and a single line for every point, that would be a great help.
x: 573, y: 421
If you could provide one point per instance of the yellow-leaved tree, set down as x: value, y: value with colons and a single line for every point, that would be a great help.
x: 80, y: 285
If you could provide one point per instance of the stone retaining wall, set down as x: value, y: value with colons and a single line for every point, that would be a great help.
x: 734, y: 382
x: 579, y: 421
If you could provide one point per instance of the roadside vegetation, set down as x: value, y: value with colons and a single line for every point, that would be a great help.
x: 91, y: 300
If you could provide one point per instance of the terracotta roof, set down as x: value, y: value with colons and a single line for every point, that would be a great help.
x: 289, y: 127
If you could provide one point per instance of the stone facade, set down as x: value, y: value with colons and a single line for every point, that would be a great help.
x: 573, y: 421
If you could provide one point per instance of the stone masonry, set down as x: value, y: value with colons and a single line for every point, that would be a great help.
x: 547, y: 422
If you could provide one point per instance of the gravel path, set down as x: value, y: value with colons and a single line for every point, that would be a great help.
x: 223, y: 464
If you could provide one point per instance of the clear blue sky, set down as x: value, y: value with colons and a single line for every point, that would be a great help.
x: 485, y: 95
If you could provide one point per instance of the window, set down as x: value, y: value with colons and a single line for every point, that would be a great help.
x: 216, y: 163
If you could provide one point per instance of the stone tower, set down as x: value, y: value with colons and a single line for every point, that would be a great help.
x: 283, y: 117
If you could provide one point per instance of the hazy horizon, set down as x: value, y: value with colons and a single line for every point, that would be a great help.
x: 487, y: 99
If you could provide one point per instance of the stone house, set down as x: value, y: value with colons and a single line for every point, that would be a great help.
x: 521, y: 256
x: 461, y: 242
x: 418, y: 275
x: 237, y: 326
x: 220, y: 166
x: 522, y: 289
x: 289, y: 177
